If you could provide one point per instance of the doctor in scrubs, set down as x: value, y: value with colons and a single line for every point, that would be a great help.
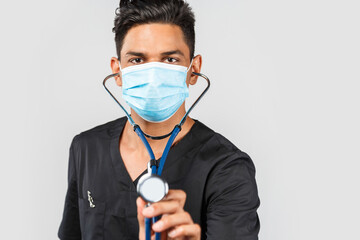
x: 212, y: 188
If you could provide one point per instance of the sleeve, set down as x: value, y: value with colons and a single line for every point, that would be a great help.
x: 232, y: 201
x: 70, y: 224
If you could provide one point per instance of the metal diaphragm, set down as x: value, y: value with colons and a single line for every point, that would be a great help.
x: 152, y: 188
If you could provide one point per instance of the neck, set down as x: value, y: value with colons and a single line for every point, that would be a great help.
x: 133, y: 141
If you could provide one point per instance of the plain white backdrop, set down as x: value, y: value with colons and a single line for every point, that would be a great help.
x: 285, y: 89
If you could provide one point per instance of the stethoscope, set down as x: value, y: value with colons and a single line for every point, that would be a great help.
x: 151, y: 186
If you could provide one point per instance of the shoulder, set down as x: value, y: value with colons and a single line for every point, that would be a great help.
x: 230, y: 180
x: 220, y: 151
x: 98, y: 133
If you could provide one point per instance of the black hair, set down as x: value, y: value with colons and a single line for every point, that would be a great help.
x: 136, y: 12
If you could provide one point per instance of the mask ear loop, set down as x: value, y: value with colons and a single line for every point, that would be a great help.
x: 190, y: 65
x: 119, y: 66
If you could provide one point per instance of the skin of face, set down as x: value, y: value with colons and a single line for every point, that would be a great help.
x: 156, y: 42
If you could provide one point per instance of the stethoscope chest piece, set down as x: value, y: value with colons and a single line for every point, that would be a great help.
x: 152, y: 188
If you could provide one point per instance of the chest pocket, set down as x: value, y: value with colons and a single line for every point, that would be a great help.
x: 92, y: 219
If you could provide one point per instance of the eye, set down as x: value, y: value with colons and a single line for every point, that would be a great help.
x: 136, y: 60
x: 170, y: 60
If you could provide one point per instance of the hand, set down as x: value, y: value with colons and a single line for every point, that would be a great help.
x: 175, y: 223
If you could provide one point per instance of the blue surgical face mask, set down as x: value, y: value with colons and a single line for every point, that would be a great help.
x: 155, y: 90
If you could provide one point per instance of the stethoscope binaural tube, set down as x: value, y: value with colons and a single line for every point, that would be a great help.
x: 153, y: 178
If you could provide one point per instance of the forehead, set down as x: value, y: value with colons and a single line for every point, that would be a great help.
x: 155, y: 38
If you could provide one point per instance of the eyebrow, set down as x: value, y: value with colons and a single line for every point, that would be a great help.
x: 140, y: 54
x: 173, y: 52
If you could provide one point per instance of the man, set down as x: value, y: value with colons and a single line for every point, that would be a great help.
x: 213, y: 193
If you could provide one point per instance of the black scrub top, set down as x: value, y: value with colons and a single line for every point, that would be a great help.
x: 218, y: 178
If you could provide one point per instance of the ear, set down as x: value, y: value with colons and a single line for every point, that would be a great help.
x: 196, y: 67
x: 114, y: 64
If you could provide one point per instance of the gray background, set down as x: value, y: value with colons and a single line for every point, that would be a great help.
x: 285, y: 83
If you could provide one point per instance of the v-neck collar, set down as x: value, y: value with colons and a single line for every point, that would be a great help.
x: 122, y: 175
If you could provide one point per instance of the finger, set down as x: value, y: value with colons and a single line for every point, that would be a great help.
x: 173, y: 220
x: 191, y: 231
x: 153, y: 236
x: 163, y: 207
x: 178, y: 195
x: 163, y: 236
x: 140, y: 203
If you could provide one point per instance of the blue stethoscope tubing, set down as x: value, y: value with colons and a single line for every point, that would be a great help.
x: 157, y: 170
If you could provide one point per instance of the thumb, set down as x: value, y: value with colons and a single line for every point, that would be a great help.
x: 140, y: 203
